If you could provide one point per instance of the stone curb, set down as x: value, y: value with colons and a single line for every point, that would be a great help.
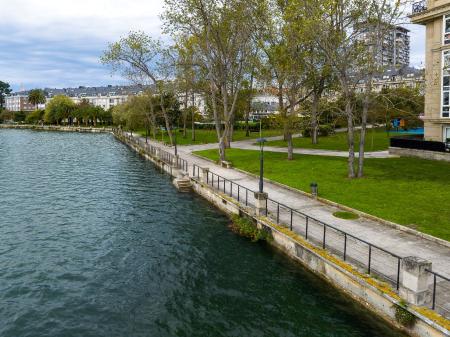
x: 394, y: 225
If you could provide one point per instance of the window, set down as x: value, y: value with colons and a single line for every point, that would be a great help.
x: 447, y: 29
x: 446, y: 84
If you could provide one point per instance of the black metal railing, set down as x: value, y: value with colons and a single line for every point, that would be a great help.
x: 440, y: 294
x: 419, y: 6
x: 373, y: 259
x: 240, y: 193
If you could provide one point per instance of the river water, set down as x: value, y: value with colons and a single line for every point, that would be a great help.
x: 96, y: 242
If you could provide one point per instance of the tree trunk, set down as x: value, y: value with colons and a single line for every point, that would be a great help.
x: 314, y: 122
x: 350, y: 138
x: 362, y: 139
x: 166, y: 119
x: 193, y: 117
x: 185, y: 113
x: 290, y: 146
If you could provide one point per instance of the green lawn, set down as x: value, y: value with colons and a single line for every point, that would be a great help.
x: 376, y: 140
x: 210, y: 136
x: 408, y: 191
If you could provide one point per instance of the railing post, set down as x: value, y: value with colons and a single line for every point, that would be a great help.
x: 324, y: 235
x: 398, y: 272
x: 306, y: 229
x: 204, y: 175
x: 433, y: 306
x: 278, y: 213
x: 345, y: 246
x: 261, y: 203
x: 246, y: 197
x: 415, y: 279
x: 370, y: 259
x: 292, y: 214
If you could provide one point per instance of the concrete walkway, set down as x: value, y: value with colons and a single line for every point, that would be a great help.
x: 249, y: 144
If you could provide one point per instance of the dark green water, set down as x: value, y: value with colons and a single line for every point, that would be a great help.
x: 95, y: 242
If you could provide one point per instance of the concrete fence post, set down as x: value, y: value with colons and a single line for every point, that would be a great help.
x: 261, y: 203
x: 175, y: 161
x: 158, y: 152
x: 204, y: 175
x: 415, y: 280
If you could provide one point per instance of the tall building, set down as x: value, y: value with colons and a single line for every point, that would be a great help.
x: 435, y: 16
x: 395, y: 46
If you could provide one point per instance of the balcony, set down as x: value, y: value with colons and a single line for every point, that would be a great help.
x: 419, y: 7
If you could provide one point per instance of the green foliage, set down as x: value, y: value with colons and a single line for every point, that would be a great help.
x: 5, y: 89
x: 35, y: 116
x: 346, y: 215
x: 58, y: 108
x: 6, y: 115
x: 324, y: 131
x: 245, y: 228
x: 403, y: 316
x: 36, y: 96
x: 395, y: 189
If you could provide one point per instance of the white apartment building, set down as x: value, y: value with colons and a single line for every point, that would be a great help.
x: 104, y: 97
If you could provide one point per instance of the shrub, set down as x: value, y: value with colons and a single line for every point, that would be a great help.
x: 245, y: 228
x: 403, y: 316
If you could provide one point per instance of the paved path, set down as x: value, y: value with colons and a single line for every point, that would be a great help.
x: 249, y: 144
x: 393, y: 240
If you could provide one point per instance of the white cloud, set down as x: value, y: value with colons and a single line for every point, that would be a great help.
x: 58, y: 42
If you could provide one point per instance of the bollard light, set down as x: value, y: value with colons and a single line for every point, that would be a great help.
x: 314, y: 189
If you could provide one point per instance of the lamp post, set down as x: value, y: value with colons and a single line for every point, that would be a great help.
x: 261, y: 142
x: 175, y: 141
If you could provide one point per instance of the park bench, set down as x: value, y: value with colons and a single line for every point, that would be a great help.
x: 226, y: 164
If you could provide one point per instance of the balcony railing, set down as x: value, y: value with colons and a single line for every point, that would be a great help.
x: 419, y: 6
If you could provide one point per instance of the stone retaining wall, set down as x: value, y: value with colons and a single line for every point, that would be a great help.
x: 423, y: 154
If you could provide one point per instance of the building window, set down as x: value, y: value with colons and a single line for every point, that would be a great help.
x: 446, y: 84
x: 447, y: 29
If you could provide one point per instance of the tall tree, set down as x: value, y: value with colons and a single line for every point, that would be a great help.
x: 5, y: 89
x: 36, y: 96
x: 143, y: 59
x: 222, y: 31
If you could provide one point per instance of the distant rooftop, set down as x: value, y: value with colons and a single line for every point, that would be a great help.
x: 109, y: 90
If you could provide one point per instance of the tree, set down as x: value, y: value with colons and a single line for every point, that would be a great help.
x: 59, y: 108
x: 5, y: 89
x: 222, y: 35
x: 143, y: 59
x: 36, y: 96
x: 284, y: 62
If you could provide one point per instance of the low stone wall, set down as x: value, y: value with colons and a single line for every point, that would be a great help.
x: 372, y: 293
x: 430, y: 155
x: 56, y: 128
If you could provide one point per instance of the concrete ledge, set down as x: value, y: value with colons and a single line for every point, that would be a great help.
x: 423, y: 154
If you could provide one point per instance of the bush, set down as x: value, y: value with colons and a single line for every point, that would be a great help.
x: 246, y: 228
x: 403, y: 316
x: 324, y: 131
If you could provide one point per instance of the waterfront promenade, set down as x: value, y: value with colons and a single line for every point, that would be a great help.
x: 396, y: 241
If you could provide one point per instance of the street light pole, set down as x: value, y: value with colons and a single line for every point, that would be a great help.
x: 175, y: 138
x: 261, y: 142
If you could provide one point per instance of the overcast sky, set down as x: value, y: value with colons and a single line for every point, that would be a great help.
x: 57, y: 43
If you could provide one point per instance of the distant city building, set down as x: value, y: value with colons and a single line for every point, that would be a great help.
x: 18, y: 102
x: 105, y: 97
x: 395, y: 48
x: 393, y: 78
x: 435, y: 15
x: 264, y: 105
